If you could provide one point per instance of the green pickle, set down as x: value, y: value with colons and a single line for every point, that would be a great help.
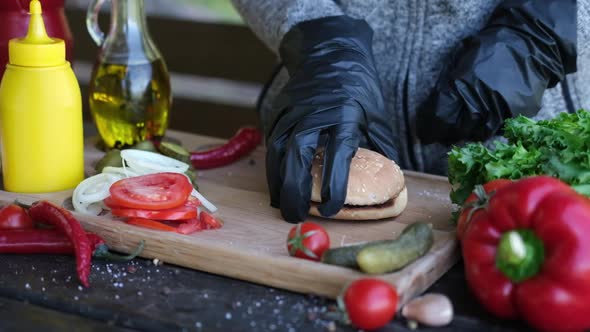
x: 130, y: 103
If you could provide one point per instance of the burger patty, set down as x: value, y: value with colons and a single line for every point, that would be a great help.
x: 375, y: 206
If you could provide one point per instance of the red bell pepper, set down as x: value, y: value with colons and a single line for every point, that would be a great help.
x: 527, y: 255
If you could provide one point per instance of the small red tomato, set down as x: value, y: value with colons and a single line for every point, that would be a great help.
x: 474, y: 201
x: 370, y: 303
x: 13, y: 216
x: 308, y: 240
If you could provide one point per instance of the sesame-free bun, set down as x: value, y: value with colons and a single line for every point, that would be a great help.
x: 376, y: 187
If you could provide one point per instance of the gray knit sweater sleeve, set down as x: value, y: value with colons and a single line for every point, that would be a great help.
x: 583, y: 22
x: 270, y: 20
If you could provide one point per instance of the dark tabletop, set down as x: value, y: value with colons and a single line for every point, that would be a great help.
x: 42, y: 293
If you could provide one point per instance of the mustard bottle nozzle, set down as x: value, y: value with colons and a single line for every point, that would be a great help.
x: 36, y: 33
x: 36, y: 49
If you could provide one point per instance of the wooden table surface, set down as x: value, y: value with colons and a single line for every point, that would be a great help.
x: 41, y: 292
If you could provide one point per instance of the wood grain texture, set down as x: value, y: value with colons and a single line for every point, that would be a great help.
x: 251, y: 245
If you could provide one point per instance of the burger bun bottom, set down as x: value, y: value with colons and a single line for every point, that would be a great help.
x: 392, y: 208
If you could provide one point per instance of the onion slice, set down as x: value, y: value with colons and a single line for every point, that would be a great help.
x: 93, y: 190
x: 206, y: 204
x: 146, y: 161
x: 124, y: 172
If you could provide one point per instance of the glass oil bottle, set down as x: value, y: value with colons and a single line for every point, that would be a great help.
x: 129, y: 94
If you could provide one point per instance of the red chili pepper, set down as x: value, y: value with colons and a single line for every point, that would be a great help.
x: 45, y: 211
x: 52, y: 241
x: 527, y: 255
x: 34, y: 241
x: 241, y: 144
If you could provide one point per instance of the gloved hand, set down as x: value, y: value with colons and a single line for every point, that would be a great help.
x: 333, y: 100
x: 502, y: 72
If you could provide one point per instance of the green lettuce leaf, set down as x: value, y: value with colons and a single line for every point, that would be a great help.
x: 558, y: 147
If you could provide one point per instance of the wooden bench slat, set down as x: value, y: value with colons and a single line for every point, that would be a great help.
x: 207, y: 49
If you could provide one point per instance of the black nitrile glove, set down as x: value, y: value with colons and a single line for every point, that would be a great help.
x: 333, y: 100
x: 502, y: 72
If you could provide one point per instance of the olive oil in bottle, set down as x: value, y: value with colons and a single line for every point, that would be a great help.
x: 129, y: 93
x: 130, y: 103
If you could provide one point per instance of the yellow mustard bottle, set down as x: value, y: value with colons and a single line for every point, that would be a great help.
x: 41, y: 132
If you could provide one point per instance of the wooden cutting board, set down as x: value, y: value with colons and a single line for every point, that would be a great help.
x: 251, y: 245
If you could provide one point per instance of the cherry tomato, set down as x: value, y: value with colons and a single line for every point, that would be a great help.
x: 370, y: 303
x: 308, y: 240
x: 473, y: 201
x: 152, y: 191
x: 13, y: 216
x: 209, y: 221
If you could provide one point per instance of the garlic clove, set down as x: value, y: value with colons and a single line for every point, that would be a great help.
x: 431, y: 309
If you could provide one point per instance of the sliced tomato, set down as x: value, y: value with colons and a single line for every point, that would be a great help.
x: 151, y: 224
x: 178, y: 213
x: 155, y: 191
x: 210, y: 221
x: 191, y: 226
x: 193, y: 201
x: 111, y: 204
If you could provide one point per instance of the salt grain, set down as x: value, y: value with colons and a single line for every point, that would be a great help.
x: 198, y: 325
x: 76, y: 298
x: 331, y: 326
x: 27, y: 286
x: 253, y: 324
x: 80, y: 288
x: 228, y: 315
x: 139, y: 293
x: 116, y: 296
